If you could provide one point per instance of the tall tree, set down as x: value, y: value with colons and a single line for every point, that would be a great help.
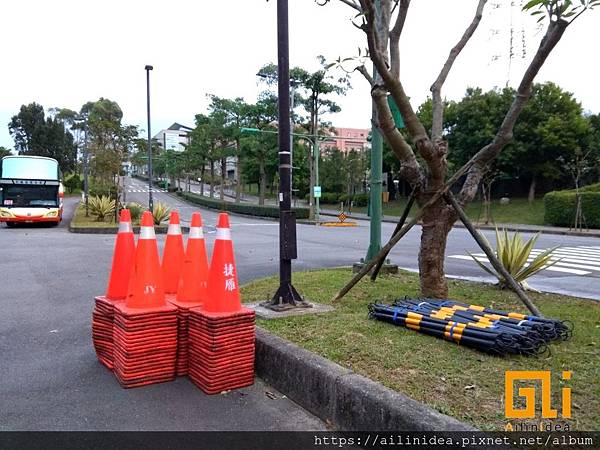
x: 36, y: 134
x: 234, y: 113
x: 261, y: 149
x: 551, y: 126
x: 108, y: 139
x: 313, y: 90
x: 424, y: 155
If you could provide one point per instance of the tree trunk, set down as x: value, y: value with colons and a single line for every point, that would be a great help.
x: 531, y: 196
x: 212, y: 179
x: 223, y: 173
x: 202, y: 171
x: 262, y: 175
x: 437, y: 223
x: 239, y: 185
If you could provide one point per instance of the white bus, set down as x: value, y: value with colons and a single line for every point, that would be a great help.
x: 30, y: 190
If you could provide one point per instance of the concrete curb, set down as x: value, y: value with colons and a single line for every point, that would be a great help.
x: 340, y: 397
x: 509, y: 227
x: 113, y: 230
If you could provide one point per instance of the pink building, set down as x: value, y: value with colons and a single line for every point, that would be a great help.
x: 347, y: 139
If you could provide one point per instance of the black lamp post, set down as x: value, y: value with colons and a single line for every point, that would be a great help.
x: 150, y: 202
x: 286, y: 296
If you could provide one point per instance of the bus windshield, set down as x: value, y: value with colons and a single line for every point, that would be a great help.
x: 25, y: 196
x: 18, y: 167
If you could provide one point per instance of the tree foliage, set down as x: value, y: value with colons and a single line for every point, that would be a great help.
x: 36, y: 134
x: 424, y: 154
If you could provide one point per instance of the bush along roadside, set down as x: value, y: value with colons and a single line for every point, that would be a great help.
x: 559, y: 207
x: 161, y: 184
x: 240, y: 208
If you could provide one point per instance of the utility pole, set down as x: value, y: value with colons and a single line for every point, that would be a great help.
x: 316, y: 155
x: 286, y: 296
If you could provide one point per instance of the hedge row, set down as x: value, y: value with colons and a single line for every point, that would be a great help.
x: 559, y: 207
x: 157, y: 183
x: 240, y: 208
x: 334, y: 198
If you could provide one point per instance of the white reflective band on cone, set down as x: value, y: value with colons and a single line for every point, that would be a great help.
x: 174, y: 228
x: 196, y: 233
x: 147, y: 233
x: 125, y: 227
x: 224, y: 234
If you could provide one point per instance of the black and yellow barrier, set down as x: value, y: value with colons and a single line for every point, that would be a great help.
x: 485, y: 329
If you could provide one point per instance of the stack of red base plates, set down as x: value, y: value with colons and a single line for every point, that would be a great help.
x: 183, y: 313
x: 221, y: 349
x: 102, y: 325
x: 145, y: 344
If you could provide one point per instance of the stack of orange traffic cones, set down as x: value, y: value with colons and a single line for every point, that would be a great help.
x: 103, y: 313
x: 221, y: 332
x: 145, y: 325
x: 192, y: 288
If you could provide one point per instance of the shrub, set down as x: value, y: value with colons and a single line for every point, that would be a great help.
x: 361, y: 199
x: 101, y: 207
x: 73, y: 183
x: 136, y: 210
x: 240, y: 208
x: 559, y: 207
x: 513, y: 254
x: 329, y: 197
x: 160, y: 213
x: 99, y: 189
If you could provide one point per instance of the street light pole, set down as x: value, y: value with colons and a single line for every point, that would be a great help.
x: 316, y: 155
x: 150, y: 202
x: 286, y: 296
x: 86, y: 168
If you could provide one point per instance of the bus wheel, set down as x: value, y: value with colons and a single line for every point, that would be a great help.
x: 10, y: 224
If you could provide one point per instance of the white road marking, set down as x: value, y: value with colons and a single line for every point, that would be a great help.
x: 554, y: 268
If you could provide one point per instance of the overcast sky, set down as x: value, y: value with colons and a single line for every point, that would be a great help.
x: 67, y: 52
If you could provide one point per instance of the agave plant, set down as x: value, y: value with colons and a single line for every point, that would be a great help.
x: 136, y: 210
x: 160, y: 213
x: 101, y: 207
x: 513, y: 253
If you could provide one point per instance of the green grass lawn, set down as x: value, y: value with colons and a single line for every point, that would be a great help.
x: 518, y: 211
x: 455, y: 380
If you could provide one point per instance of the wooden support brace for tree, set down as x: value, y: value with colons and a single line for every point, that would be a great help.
x: 399, y: 225
x: 516, y: 287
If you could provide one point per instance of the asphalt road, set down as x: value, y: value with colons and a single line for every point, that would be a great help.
x: 256, y: 244
x: 49, y: 376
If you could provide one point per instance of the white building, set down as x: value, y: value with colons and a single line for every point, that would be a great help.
x: 175, y: 138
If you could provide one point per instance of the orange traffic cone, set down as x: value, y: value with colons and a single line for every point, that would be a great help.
x: 173, y: 255
x: 194, y: 273
x: 122, y: 263
x: 147, y: 289
x: 223, y: 295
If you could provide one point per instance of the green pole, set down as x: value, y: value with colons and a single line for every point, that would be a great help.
x: 375, y: 182
x: 316, y: 155
x: 375, y: 194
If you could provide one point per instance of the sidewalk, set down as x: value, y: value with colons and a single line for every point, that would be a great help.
x: 544, y: 229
